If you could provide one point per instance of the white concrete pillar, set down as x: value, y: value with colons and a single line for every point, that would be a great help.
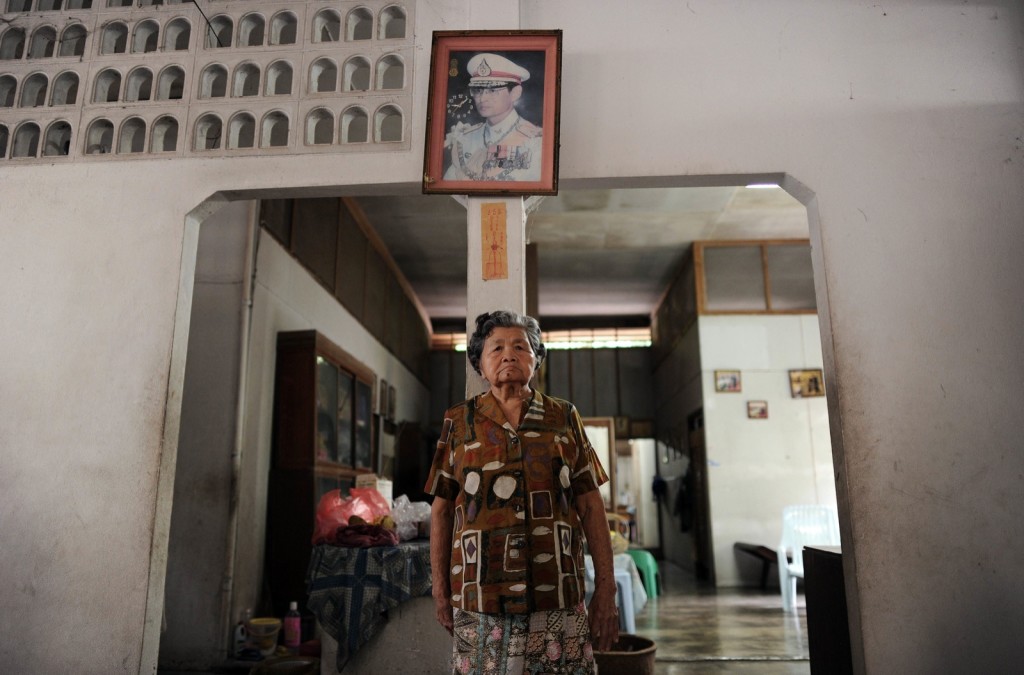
x: 485, y: 293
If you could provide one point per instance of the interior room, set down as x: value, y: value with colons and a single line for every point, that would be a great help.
x: 615, y: 286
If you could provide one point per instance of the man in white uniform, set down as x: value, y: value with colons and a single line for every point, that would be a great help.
x: 504, y: 147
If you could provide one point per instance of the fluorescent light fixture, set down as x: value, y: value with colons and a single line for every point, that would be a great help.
x: 762, y: 186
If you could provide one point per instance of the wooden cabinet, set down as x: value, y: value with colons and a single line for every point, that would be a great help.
x: 323, y: 438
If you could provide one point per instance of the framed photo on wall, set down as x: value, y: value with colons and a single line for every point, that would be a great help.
x: 728, y: 381
x: 806, y: 383
x: 493, y: 113
x: 757, y: 410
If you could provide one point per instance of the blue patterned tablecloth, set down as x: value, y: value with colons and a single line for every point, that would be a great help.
x: 352, y: 589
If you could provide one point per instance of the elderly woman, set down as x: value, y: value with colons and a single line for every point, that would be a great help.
x: 515, y: 484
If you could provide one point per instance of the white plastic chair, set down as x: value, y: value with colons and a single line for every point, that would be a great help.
x: 802, y: 525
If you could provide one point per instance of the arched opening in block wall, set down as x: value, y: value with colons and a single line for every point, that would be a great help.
x: 246, y: 80
x: 114, y: 38
x: 147, y: 35
x: 279, y: 79
x: 359, y: 24
x: 8, y: 85
x: 132, y: 138
x: 108, y: 86
x: 242, y: 131
x: 251, y: 30
x: 283, y: 28
x: 354, y: 125
x: 58, y: 139
x: 139, y: 86
x: 12, y: 44
x: 26, y: 140
x: 320, y: 127
x: 219, y: 32
x: 165, y: 135
x: 391, y: 72
x: 177, y: 35
x: 391, y: 23
x: 326, y: 26
x: 72, y: 40
x: 65, y: 89
x: 208, y: 133
x: 356, y: 74
x: 213, y: 83
x: 388, y: 125
x: 44, y: 43
x: 275, y: 130
x: 33, y: 91
x: 99, y: 140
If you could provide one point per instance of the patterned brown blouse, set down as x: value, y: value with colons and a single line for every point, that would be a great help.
x: 517, y: 541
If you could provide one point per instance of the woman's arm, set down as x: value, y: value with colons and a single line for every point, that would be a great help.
x: 603, y: 615
x: 441, y: 521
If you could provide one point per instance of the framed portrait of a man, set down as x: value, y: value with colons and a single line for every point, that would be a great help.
x: 492, y: 113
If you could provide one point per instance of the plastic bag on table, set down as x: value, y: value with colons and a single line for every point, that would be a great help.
x: 408, y: 516
x: 335, y: 511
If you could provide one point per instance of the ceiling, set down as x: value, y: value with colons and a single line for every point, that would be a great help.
x: 602, y: 253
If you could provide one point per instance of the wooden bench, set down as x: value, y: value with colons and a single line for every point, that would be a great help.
x: 767, y: 556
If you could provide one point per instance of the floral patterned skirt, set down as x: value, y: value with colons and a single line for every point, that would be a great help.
x: 549, y: 642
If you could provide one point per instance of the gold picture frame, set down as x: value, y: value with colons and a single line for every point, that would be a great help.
x: 807, y: 383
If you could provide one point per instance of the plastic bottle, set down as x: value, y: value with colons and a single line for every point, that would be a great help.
x: 241, y: 635
x: 292, y: 627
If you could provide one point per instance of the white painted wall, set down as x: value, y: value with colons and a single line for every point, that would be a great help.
x: 756, y: 467
x: 900, y: 127
x: 643, y: 471
x: 285, y: 298
x: 200, y: 557
x: 215, y: 568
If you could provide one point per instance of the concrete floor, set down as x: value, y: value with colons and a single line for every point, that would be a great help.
x: 702, y: 631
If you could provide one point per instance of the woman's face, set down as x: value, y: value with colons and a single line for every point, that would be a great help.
x: 508, y: 357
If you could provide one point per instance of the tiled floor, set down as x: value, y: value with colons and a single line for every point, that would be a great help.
x: 698, y: 630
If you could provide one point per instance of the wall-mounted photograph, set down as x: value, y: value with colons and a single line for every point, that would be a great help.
x: 728, y: 381
x: 757, y: 410
x: 492, y: 113
x: 806, y: 383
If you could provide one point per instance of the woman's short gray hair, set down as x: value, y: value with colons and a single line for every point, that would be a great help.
x: 488, y: 321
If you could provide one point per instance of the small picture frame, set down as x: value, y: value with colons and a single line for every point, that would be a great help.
x: 728, y: 381
x: 757, y: 410
x: 806, y: 383
x: 493, y: 113
x: 392, y: 402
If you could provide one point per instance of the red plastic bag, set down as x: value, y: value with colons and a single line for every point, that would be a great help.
x: 334, y: 511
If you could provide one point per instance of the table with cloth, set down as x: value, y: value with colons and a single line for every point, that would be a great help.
x: 351, y: 590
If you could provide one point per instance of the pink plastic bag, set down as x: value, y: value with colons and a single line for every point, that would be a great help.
x: 334, y: 511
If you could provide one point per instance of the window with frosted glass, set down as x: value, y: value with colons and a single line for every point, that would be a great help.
x: 791, y: 277
x: 733, y: 279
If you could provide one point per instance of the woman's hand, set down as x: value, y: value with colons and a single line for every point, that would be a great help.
x: 442, y: 517
x: 443, y: 608
x: 603, y: 616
